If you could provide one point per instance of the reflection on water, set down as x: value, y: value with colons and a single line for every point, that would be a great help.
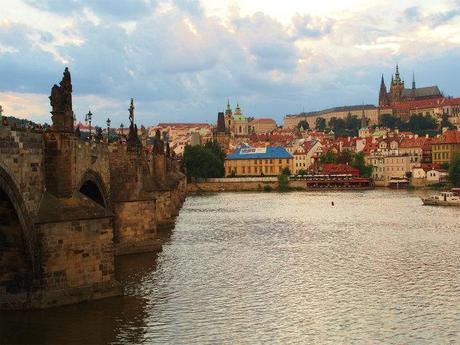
x: 376, y: 268
x: 118, y: 320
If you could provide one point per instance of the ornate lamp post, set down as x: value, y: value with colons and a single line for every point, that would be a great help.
x: 108, y: 128
x: 88, y: 118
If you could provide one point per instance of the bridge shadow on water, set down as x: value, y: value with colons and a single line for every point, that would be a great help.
x: 117, y: 320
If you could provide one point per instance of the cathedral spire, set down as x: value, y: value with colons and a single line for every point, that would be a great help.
x: 397, y: 77
x: 382, y: 93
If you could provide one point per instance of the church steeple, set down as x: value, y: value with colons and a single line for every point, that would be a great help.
x: 413, y: 81
x: 383, y: 93
x: 237, y: 109
x: 397, y: 77
x: 228, y: 111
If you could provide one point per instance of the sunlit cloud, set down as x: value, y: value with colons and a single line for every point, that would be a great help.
x: 24, y: 105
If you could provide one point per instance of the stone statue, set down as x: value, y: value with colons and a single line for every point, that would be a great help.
x: 131, y: 112
x: 158, y: 143
x: 61, y: 104
x: 165, y: 137
x: 78, y: 132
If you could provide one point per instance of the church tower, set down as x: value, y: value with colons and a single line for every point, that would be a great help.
x: 228, y: 117
x: 383, y: 96
x: 238, y: 110
x: 397, y: 87
x: 413, y: 86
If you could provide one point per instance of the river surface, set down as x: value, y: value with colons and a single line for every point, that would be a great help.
x: 256, y: 268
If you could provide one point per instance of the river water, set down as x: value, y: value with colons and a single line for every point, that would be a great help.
x: 256, y: 268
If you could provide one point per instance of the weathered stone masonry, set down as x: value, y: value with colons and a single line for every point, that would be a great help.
x: 68, y: 206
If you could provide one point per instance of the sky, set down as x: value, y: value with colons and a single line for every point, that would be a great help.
x: 181, y: 60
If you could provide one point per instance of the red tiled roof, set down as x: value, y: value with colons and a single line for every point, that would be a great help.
x: 449, y: 137
x: 183, y: 124
x: 331, y: 168
x: 420, y: 104
x: 452, y: 101
x: 413, y: 142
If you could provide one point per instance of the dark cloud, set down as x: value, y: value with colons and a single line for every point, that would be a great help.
x: 268, y: 41
x: 27, y: 68
x: 310, y: 27
x: 412, y: 14
x: 119, y: 9
x: 415, y: 15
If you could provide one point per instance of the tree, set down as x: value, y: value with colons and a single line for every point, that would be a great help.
x: 352, y: 124
x: 303, y: 125
x: 360, y: 164
x: 445, y: 123
x: 215, y: 148
x: 345, y: 157
x: 454, y: 170
x: 320, y: 124
x: 204, y: 161
x: 302, y: 172
x: 390, y: 121
x: 328, y: 157
x: 283, y: 182
x: 286, y: 171
x: 420, y: 124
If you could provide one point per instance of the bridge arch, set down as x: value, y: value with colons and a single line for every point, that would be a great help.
x: 92, y: 185
x: 18, y: 246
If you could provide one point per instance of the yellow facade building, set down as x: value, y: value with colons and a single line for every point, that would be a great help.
x: 445, y: 147
x: 255, y: 161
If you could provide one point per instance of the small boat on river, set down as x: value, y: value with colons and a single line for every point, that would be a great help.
x: 442, y: 199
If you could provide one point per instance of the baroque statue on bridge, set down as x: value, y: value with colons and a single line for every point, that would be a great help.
x: 158, y: 143
x: 61, y: 104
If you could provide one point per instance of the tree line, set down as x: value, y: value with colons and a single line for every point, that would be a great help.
x: 356, y: 160
x: 349, y: 126
x: 204, y: 161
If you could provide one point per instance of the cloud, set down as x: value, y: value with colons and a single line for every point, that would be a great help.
x: 25, y: 105
x: 180, y: 62
x: 119, y: 9
x: 306, y: 26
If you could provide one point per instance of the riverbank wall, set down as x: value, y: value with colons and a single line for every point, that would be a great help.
x: 243, y: 184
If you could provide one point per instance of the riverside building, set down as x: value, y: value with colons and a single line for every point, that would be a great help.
x: 258, y: 161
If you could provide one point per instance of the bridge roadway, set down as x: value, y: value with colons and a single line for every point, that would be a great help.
x: 69, y: 206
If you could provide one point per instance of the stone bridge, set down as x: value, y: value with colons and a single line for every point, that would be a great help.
x: 68, y: 206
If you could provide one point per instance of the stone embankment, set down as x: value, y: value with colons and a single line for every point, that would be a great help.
x: 240, y: 184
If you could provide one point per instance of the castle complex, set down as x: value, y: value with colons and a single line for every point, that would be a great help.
x: 399, y: 93
x: 398, y: 100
